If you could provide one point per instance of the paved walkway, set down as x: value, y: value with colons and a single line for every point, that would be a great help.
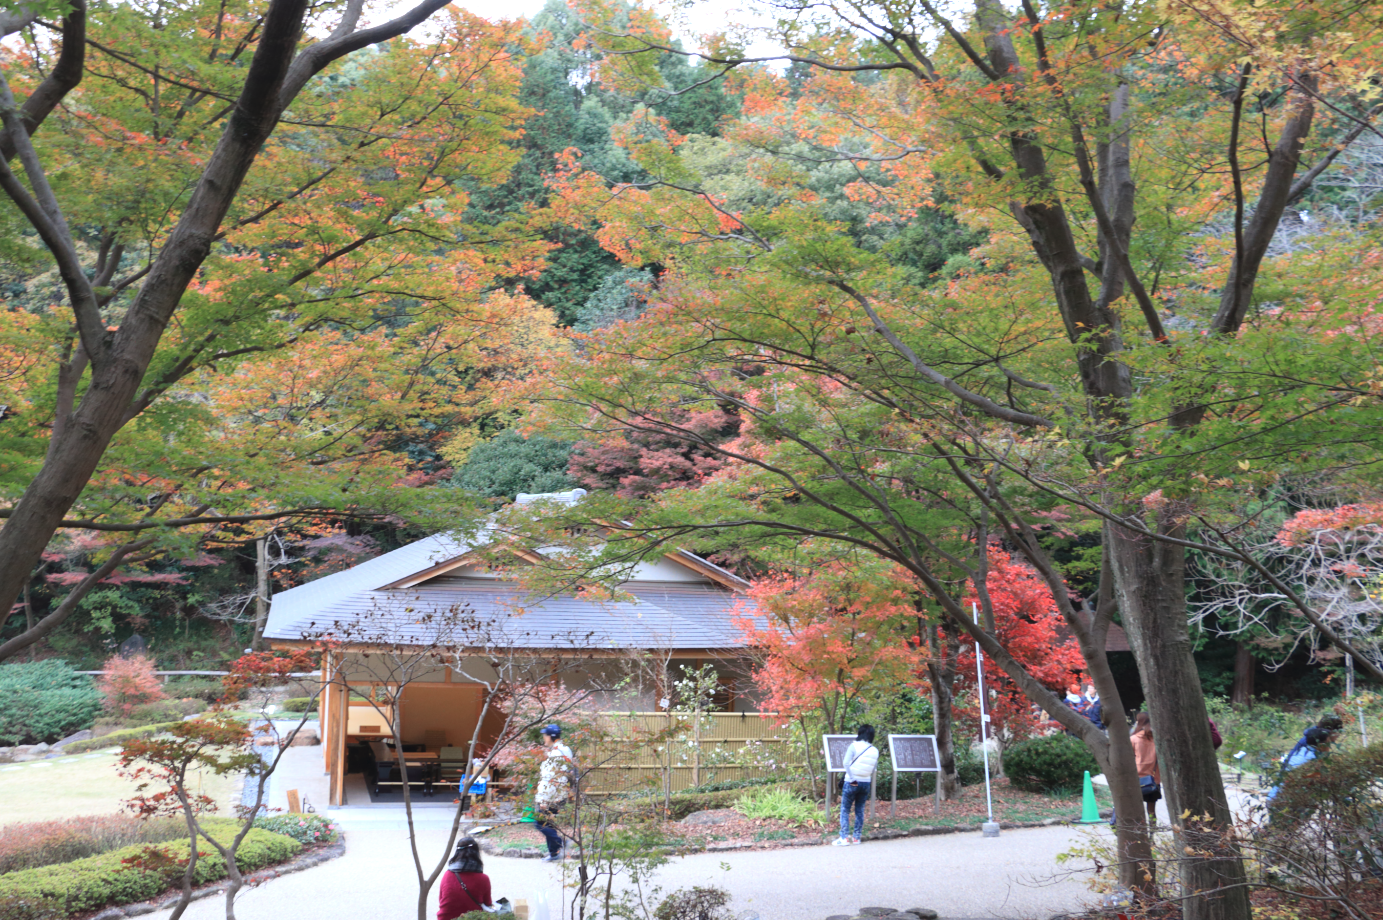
x: 959, y: 875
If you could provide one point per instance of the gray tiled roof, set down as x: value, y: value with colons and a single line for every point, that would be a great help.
x: 486, y: 611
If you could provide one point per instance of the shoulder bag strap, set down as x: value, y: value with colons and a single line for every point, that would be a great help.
x: 465, y: 888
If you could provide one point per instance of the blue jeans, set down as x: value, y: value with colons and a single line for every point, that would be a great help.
x: 543, y: 822
x: 853, y: 795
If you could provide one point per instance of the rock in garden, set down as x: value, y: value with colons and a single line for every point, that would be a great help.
x: 82, y: 735
x: 698, y: 818
x: 922, y: 913
x: 877, y: 911
x: 305, y: 739
x: 840, y: 917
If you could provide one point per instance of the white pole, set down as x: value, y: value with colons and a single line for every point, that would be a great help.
x: 990, y: 829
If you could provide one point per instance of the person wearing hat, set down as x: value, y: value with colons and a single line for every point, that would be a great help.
x: 554, y: 788
x: 465, y: 886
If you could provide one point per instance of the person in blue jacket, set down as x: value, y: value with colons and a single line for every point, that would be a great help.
x: 1314, y: 742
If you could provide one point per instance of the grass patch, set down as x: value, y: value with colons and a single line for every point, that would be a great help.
x: 84, y: 784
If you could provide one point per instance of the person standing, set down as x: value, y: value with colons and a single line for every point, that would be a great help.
x: 861, y: 760
x: 465, y: 886
x: 1145, y: 756
x: 554, y: 788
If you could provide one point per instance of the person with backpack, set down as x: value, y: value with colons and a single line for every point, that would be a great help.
x: 1145, y: 757
x: 1314, y: 743
x: 555, y: 784
x: 861, y: 759
x: 465, y: 886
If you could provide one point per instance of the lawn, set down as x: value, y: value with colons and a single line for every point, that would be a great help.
x: 83, y: 784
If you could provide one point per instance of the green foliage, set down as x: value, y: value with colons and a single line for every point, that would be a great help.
x: 934, y: 243
x: 161, y: 711
x: 622, y: 295
x: 206, y: 689
x: 96, y: 881
x: 779, y: 804
x: 509, y: 463
x: 309, y: 830
x: 44, y: 701
x: 299, y: 704
x: 46, y: 843
x: 1050, y: 762
x: 118, y: 737
x: 698, y: 903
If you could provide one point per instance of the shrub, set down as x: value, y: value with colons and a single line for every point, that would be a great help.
x: 130, y: 682
x: 308, y: 830
x: 117, y: 737
x: 299, y: 704
x: 47, y: 843
x: 779, y: 804
x: 206, y: 689
x: 1325, y: 825
x: 695, y: 904
x: 94, y: 882
x: 1050, y: 762
x: 162, y: 711
x: 44, y: 701
x: 27, y: 908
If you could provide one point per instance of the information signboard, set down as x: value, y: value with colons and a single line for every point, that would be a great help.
x: 914, y: 754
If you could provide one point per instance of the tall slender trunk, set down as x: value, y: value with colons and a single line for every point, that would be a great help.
x: 1149, y: 579
x: 944, y: 644
x: 1245, y: 664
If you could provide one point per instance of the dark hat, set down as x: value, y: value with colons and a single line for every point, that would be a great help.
x: 1317, y: 735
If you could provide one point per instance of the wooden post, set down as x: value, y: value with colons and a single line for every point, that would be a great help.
x: 295, y: 805
x: 696, y: 747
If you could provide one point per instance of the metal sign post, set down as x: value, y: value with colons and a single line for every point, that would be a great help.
x: 990, y: 829
x: 834, y: 747
x: 914, y: 754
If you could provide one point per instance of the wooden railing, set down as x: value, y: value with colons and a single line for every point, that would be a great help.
x: 685, y: 751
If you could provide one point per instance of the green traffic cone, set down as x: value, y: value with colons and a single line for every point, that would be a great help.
x: 1089, y: 811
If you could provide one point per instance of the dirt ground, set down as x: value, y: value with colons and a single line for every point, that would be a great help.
x: 725, y: 826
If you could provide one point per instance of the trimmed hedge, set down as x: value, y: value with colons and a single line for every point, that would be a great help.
x: 299, y: 704
x: 44, y: 701
x: 117, y: 737
x: 34, y: 844
x: 685, y: 803
x: 98, y: 881
x: 1047, y: 763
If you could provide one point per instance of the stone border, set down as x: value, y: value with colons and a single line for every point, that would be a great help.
x: 922, y: 830
x: 258, y: 877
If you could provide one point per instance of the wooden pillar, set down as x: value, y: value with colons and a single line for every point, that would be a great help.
x: 338, y: 746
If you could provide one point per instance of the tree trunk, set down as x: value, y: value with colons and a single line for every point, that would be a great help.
x: 1150, y: 582
x: 941, y: 671
x: 1245, y: 665
x: 261, y: 590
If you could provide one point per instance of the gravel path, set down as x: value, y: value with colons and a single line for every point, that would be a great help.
x: 959, y: 875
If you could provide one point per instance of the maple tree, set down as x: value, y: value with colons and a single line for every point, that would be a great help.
x: 1029, y: 626
x: 1331, y: 558
x: 1134, y: 348
x: 832, y: 635
x: 261, y: 289
x: 165, y: 767
x: 129, y: 682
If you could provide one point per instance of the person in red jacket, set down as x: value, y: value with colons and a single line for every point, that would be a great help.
x: 465, y: 886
